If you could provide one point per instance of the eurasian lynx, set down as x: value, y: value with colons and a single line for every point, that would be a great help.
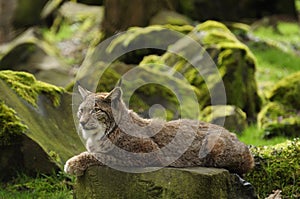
x: 111, y: 132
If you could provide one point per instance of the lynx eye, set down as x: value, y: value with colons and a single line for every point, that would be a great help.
x: 95, y: 110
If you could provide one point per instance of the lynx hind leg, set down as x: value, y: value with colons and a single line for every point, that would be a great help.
x: 226, y: 151
x: 79, y: 163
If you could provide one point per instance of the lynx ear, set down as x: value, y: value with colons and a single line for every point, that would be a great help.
x: 114, y: 95
x: 83, y: 92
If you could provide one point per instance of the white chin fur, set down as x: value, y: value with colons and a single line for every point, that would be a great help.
x: 88, y: 133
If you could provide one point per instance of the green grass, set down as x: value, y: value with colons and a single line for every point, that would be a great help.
x: 276, y: 57
x: 273, y: 65
x: 254, y: 136
x: 288, y: 32
x: 277, y: 54
x: 55, y: 186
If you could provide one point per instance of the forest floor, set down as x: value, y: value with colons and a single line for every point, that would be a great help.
x: 277, y: 55
x: 276, y: 60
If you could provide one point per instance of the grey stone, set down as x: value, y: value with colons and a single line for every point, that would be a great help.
x: 30, y: 53
x: 198, y: 182
x: 50, y: 138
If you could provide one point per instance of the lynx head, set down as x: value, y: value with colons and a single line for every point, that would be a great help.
x: 95, y: 113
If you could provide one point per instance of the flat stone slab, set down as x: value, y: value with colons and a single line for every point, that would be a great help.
x: 167, y: 183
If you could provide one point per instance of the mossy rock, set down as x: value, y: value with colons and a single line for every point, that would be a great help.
x: 177, y: 98
x: 235, y: 62
x: 166, y: 183
x: 36, y: 117
x: 28, y: 88
x: 31, y: 53
x: 277, y: 168
x: 235, y: 120
x: 287, y: 91
x: 145, y: 87
x: 170, y: 17
x: 11, y: 125
x: 280, y: 116
x: 289, y: 127
x: 157, y: 38
x: 279, y: 120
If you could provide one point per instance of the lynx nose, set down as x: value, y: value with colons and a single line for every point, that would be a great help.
x: 83, y: 121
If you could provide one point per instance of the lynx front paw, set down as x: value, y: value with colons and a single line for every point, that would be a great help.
x: 73, y: 167
x: 78, y: 164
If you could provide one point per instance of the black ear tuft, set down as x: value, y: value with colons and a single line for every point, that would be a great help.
x: 83, y: 92
x: 115, y: 95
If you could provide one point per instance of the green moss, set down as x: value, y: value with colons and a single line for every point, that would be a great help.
x: 10, y: 125
x: 163, y: 92
x: 27, y: 87
x: 280, y: 116
x: 183, y: 29
x: 152, y: 61
x: 270, y: 113
x: 133, y: 35
x: 220, y: 111
x: 108, y: 80
x: 277, y: 167
x: 289, y: 127
x: 217, y: 34
x: 235, y: 118
x: 287, y: 91
x: 212, y: 25
x: 239, y: 29
x: 234, y: 60
x: 278, y: 119
x: 170, y: 17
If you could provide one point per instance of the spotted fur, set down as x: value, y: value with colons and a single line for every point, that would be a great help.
x: 113, y: 133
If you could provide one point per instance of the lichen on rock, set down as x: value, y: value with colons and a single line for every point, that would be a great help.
x: 27, y: 87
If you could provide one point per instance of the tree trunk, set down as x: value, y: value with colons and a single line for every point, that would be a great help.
x: 122, y: 14
x: 7, y: 9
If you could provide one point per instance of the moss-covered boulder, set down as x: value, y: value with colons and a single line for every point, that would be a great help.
x: 30, y: 52
x: 287, y: 91
x: 277, y: 168
x: 280, y: 116
x: 166, y: 183
x: 37, y: 129
x: 235, y: 62
x: 232, y: 117
x: 144, y: 88
x: 170, y: 17
x: 279, y: 120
